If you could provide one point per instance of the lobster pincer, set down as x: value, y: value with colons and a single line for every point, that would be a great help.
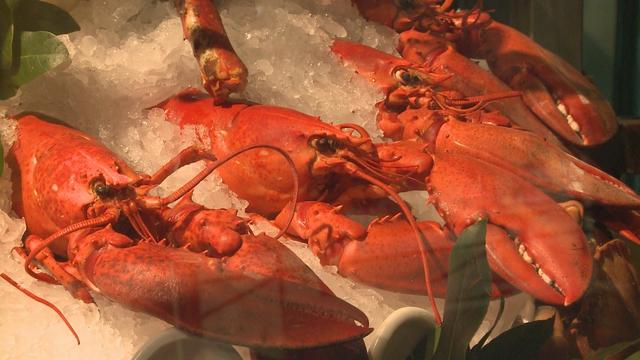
x: 93, y: 225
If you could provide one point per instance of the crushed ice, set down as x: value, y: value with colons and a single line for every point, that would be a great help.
x: 131, y: 55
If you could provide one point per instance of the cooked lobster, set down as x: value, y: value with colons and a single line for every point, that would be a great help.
x: 93, y: 226
x: 436, y: 37
x: 533, y: 243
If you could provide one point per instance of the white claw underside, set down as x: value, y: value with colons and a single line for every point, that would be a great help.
x: 526, y: 257
x: 570, y: 120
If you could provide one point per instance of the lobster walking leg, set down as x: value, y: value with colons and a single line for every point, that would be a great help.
x: 221, y: 69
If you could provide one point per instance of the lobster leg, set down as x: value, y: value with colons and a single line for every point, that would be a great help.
x: 241, y: 299
x: 221, y: 69
x: 185, y: 157
x: 72, y: 284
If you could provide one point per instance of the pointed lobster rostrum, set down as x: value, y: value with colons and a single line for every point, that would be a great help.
x: 556, y: 92
x: 92, y: 225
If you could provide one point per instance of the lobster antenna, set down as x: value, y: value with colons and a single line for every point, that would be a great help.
x: 42, y: 301
x: 414, y: 226
x: 476, y: 102
x: 109, y: 216
x: 211, y: 166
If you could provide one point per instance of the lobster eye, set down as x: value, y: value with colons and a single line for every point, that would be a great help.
x: 325, y: 145
x: 405, y: 77
x: 101, y: 189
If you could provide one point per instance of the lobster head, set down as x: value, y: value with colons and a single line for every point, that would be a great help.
x: 386, y: 71
x: 47, y: 153
x: 327, y: 158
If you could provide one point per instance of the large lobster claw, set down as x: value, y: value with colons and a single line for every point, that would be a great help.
x: 562, y: 97
x: 262, y: 296
x: 221, y: 69
x: 530, y: 157
x: 535, y: 244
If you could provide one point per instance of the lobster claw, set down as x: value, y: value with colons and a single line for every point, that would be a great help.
x: 532, y: 243
x: 263, y: 296
x: 537, y: 161
x: 555, y: 91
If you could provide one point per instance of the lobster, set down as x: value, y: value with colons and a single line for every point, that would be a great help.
x: 532, y: 242
x: 436, y: 37
x: 444, y: 119
x: 93, y: 226
x: 557, y: 101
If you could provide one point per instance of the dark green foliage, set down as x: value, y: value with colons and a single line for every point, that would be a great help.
x: 28, y: 46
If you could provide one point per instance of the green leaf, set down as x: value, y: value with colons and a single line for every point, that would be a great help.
x: 12, y: 3
x: 606, y: 352
x: 6, y: 38
x: 7, y: 89
x: 484, y: 337
x: 40, y: 52
x: 520, y: 343
x: 34, y: 15
x: 468, y: 290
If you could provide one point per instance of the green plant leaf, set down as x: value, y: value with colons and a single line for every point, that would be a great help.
x: 468, y: 290
x: 485, y: 337
x: 520, y: 343
x: 606, y: 352
x: 40, y: 52
x: 7, y: 89
x: 6, y: 38
x: 34, y: 15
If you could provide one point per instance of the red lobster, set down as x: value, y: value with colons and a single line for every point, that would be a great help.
x: 92, y: 225
x: 532, y: 242
x: 435, y: 37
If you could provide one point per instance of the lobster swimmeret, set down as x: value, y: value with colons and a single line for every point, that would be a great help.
x: 208, y: 275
